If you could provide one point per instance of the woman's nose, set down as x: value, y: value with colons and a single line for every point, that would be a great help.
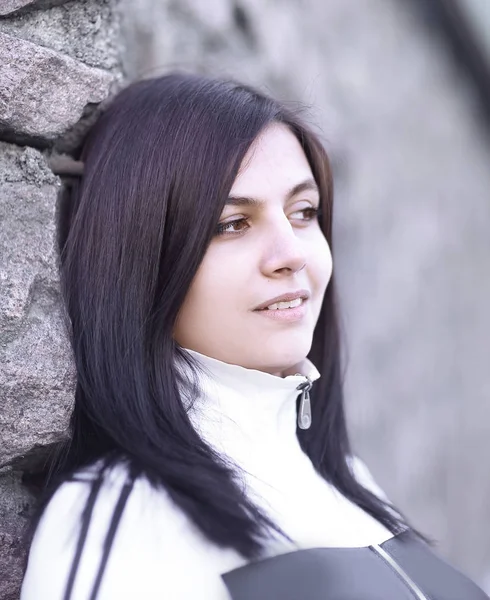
x: 284, y: 252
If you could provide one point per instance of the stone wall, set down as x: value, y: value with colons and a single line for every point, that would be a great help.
x: 411, y: 163
x: 58, y: 61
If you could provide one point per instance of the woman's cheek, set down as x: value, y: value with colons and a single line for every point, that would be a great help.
x: 321, y: 261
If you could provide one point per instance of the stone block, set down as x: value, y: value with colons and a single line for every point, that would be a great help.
x: 43, y: 93
x: 8, y: 7
x: 36, y: 373
x: 87, y: 31
x: 15, y: 509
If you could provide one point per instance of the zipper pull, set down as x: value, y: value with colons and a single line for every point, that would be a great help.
x: 304, y: 411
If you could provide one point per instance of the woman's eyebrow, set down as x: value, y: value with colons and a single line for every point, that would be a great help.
x: 309, y: 185
x: 304, y: 186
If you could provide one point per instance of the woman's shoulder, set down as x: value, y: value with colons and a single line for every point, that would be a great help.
x: 89, y: 512
x: 101, y: 489
x: 92, y: 494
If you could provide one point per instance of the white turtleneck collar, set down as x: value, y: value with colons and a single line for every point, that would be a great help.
x: 248, y: 404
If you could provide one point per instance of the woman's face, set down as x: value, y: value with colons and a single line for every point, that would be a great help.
x: 268, y: 244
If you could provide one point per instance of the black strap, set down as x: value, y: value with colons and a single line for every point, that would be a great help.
x: 116, y: 517
x: 86, y: 516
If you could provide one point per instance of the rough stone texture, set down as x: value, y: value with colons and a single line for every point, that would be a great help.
x: 15, y: 508
x: 36, y: 376
x: 57, y: 63
x: 86, y: 30
x: 8, y: 7
x: 412, y: 226
x: 43, y: 93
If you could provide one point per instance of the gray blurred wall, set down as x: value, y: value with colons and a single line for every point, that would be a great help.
x: 412, y: 167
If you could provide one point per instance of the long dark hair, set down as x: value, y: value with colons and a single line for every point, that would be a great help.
x: 159, y: 165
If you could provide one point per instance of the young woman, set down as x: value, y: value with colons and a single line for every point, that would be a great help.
x: 209, y: 456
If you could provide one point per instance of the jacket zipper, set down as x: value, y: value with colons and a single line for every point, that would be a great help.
x: 387, y: 558
x: 304, y: 410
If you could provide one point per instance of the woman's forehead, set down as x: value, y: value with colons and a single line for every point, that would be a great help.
x: 275, y: 162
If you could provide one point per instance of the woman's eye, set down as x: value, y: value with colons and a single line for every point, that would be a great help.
x: 239, y: 226
x: 235, y: 226
x: 307, y: 214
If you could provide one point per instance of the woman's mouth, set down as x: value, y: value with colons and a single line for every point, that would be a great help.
x: 282, y: 305
x: 285, y: 311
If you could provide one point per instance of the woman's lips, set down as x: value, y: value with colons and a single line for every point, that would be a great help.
x: 285, y: 315
x: 287, y: 297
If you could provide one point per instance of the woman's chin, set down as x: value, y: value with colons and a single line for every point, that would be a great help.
x: 281, y: 359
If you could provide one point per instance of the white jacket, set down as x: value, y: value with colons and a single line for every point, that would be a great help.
x: 248, y: 416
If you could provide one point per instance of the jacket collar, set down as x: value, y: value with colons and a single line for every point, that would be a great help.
x: 238, y: 406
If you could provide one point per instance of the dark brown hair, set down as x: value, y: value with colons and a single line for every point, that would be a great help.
x: 158, y: 168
